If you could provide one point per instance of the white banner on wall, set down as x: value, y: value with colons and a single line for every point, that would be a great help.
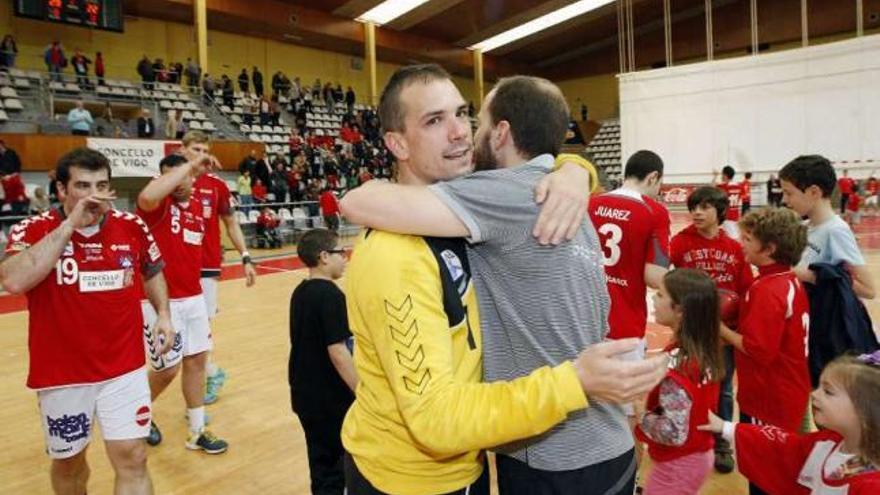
x: 133, y: 157
x: 757, y: 112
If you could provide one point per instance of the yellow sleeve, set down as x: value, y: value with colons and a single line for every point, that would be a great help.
x: 415, y: 347
x: 581, y: 161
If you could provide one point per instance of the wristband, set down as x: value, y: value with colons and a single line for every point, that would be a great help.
x: 246, y: 258
x: 581, y: 162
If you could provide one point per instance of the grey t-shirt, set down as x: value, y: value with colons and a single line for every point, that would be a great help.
x: 539, y: 306
x: 832, y: 241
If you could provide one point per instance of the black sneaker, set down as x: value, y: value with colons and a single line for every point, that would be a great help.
x: 155, y: 436
x: 724, y: 462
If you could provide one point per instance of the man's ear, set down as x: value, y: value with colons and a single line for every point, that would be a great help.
x: 500, y: 135
x: 397, y: 145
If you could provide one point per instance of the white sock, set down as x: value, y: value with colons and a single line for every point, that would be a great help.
x: 196, y: 419
x: 211, y: 368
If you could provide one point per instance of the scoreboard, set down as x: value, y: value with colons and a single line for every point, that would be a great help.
x: 98, y: 14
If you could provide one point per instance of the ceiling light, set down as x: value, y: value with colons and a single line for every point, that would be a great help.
x: 389, y: 10
x: 539, y: 24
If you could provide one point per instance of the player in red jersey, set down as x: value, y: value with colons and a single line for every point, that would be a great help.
x: 705, y: 246
x: 734, y: 193
x: 633, y: 230
x: 771, y: 346
x: 746, y: 187
x: 81, y: 267
x: 213, y: 194
x: 167, y: 205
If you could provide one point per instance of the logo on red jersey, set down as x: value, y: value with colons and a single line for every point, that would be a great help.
x: 142, y: 416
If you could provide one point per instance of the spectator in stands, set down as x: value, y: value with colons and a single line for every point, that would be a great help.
x: 81, y: 68
x: 275, y: 110
x: 316, y: 90
x: 14, y: 194
x: 295, y: 143
x: 171, y: 123
x: 307, y: 99
x: 264, y: 111
x: 243, y: 81
x: 55, y: 60
x: 248, y: 164
x: 145, y: 70
x: 99, y: 68
x: 278, y: 179
x: 53, y: 188
x: 160, y: 71
x: 276, y: 83
x: 208, y: 88
x: 584, y: 112
x: 257, y: 76
x: 40, y: 203
x: 80, y: 120
x: 228, y: 92
x: 327, y: 94
x: 285, y: 85
x: 330, y: 209
x: 245, y: 192
x: 8, y: 51
x: 296, y: 89
x: 262, y: 170
x: 350, y: 99
x: 10, y: 163
x: 338, y: 94
x: 193, y: 72
x: 182, y: 126
x: 258, y: 190
x: 175, y: 70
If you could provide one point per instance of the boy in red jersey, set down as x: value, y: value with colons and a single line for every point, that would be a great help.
x: 167, y: 205
x: 212, y: 192
x: 734, y: 191
x: 771, y: 348
x: 705, y: 246
x: 81, y: 267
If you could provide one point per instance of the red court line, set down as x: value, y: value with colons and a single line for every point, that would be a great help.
x: 10, y: 303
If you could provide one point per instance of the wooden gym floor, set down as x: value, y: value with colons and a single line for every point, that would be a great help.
x: 267, y: 449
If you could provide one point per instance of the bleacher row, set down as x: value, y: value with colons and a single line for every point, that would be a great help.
x: 9, y: 99
x: 293, y: 221
x: 604, y: 150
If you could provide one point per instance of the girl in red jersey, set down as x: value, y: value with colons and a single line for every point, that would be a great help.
x: 843, y: 458
x: 687, y: 301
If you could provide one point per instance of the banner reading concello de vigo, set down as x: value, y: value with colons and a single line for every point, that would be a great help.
x: 133, y: 157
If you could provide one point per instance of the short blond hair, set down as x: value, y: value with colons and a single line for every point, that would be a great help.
x: 196, y: 137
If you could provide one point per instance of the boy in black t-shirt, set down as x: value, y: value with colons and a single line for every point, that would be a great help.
x: 321, y: 371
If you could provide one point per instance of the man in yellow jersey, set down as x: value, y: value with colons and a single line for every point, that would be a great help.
x: 421, y: 417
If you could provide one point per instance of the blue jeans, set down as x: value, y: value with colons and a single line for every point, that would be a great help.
x: 245, y: 200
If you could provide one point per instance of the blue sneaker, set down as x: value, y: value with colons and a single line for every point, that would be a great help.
x: 206, y: 441
x: 212, y: 391
x: 155, y: 436
x: 219, y: 376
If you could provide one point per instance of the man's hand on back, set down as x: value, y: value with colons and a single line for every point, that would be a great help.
x: 563, y: 197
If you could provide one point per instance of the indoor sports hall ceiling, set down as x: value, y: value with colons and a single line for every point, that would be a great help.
x: 442, y: 30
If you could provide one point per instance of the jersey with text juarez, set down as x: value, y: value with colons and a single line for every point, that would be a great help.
x: 633, y: 230
x: 84, y: 322
x: 179, y: 230
x: 213, y: 194
x: 735, y: 196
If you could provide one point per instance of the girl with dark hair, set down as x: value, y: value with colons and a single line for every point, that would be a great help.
x: 687, y: 301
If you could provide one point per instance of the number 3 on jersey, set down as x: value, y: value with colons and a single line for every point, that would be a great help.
x: 610, y: 234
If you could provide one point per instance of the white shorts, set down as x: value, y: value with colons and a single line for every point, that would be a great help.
x: 637, y: 354
x: 122, y: 406
x: 190, y: 321
x: 871, y: 201
x: 209, y: 292
x: 731, y: 228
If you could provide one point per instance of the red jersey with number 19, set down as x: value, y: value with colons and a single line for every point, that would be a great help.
x: 633, y: 230
x: 179, y: 229
x: 84, y: 322
x: 213, y: 194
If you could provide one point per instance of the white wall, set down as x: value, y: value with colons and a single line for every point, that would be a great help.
x: 758, y: 112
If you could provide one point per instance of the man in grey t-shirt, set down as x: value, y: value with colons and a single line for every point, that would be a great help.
x: 539, y: 305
